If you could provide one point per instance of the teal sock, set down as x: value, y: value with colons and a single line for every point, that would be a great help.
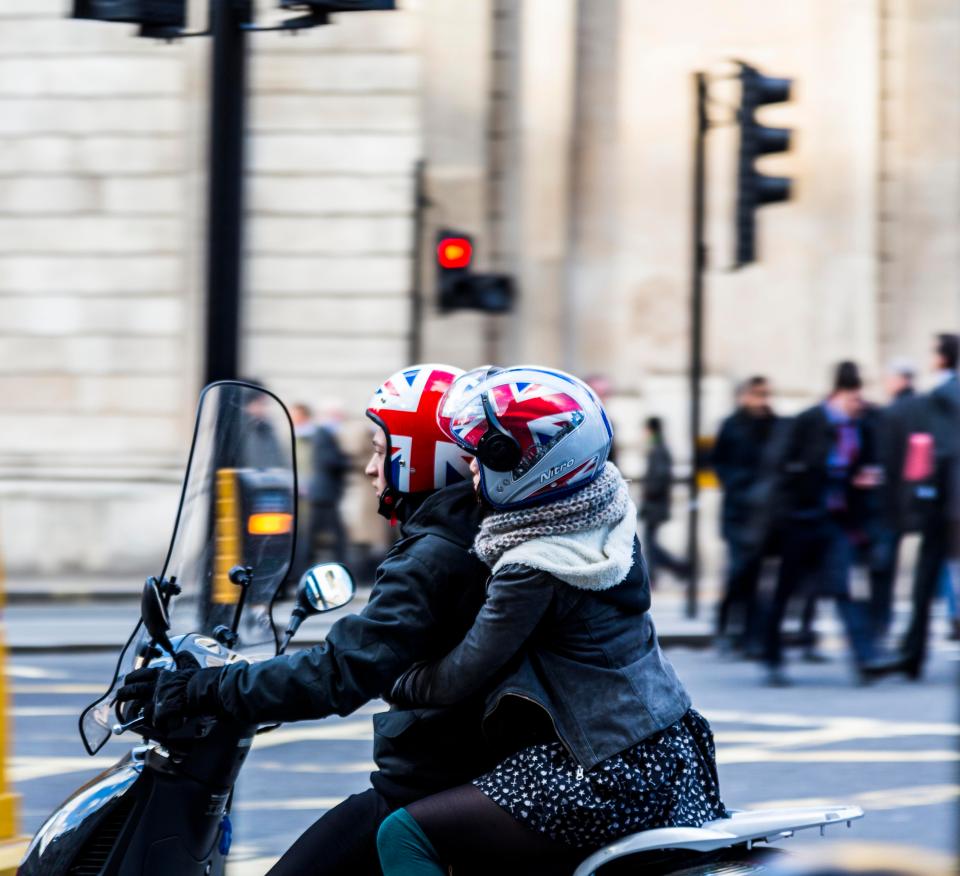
x: 405, y: 849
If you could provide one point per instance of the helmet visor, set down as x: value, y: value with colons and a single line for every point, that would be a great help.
x: 469, y: 424
x: 462, y: 405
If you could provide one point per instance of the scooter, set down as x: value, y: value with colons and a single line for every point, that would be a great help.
x: 164, y: 808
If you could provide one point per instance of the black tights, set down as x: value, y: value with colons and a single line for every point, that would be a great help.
x: 474, y: 835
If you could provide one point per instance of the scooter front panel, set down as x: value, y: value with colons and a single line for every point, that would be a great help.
x: 65, y: 834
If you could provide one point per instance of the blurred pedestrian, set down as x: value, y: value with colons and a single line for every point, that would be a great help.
x: 261, y: 447
x: 328, y: 474
x: 894, y: 517
x: 655, y: 502
x: 303, y: 431
x: 937, y: 412
x: 826, y: 472
x: 739, y: 457
x: 950, y: 588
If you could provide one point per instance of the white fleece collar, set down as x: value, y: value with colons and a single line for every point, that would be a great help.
x: 596, y: 559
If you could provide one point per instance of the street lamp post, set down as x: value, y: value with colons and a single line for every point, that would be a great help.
x: 698, y: 266
x: 229, y: 20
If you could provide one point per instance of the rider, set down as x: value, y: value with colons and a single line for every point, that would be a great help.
x: 426, y: 594
x: 605, y: 742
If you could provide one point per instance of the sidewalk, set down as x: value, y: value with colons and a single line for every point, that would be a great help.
x: 75, y: 614
x: 85, y: 614
x: 69, y: 588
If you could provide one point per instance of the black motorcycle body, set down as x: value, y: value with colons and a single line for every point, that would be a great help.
x: 163, y: 809
x: 160, y: 809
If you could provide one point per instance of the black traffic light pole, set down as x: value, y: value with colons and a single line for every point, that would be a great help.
x: 225, y: 204
x: 420, y: 204
x: 754, y: 190
x: 698, y: 266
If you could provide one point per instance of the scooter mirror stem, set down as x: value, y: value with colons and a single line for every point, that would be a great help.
x: 242, y: 576
x: 298, y: 616
x: 153, y: 611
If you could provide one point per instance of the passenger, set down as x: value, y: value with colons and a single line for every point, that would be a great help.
x: 599, y: 737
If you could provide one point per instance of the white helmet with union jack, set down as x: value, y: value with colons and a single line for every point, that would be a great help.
x: 420, y: 457
x: 538, y: 433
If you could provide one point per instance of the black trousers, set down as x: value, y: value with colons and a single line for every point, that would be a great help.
x: 342, y: 843
x: 934, y: 552
x: 820, y: 553
x: 883, y: 580
x: 740, y: 596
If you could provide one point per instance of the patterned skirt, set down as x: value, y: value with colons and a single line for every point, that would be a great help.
x: 667, y: 780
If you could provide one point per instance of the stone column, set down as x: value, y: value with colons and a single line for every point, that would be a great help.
x: 532, y: 165
x: 455, y: 97
x: 919, y: 278
x: 594, y: 210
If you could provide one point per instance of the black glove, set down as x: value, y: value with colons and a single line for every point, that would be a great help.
x: 403, y: 692
x: 170, y: 697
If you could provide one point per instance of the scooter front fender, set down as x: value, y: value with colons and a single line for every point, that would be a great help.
x: 65, y: 835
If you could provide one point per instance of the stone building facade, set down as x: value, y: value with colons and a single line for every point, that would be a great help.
x: 558, y: 132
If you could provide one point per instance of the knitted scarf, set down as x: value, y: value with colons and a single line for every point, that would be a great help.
x: 602, y: 502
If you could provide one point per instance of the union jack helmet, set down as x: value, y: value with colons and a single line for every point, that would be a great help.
x: 537, y: 433
x: 420, y: 457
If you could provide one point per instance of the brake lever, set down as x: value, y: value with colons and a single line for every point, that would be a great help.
x: 139, y: 721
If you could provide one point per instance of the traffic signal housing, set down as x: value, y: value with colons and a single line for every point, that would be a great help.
x: 458, y: 287
x: 254, y: 522
x: 327, y: 6
x: 148, y: 13
x: 755, y: 189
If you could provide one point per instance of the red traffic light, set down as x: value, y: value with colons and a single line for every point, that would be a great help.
x: 454, y: 252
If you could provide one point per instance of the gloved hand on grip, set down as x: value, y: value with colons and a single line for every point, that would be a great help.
x: 170, y: 697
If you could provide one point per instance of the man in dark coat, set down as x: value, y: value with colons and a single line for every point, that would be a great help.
x: 739, y: 456
x: 655, y: 502
x: 938, y: 413
x: 426, y: 595
x: 894, y: 517
x: 329, y: 466
x: 826, y: 475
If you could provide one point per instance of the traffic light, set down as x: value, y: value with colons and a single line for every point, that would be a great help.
x: 458, y: 288
x: 149, y: 13
x: 755, y: 189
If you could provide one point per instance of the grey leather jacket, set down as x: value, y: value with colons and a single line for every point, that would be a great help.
x: 589, y: 659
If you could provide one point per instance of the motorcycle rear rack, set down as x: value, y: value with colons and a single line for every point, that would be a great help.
x: 742, y: 827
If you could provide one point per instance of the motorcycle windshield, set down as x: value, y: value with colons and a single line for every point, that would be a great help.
x: 237, y: 508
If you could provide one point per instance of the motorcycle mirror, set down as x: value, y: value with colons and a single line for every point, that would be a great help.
x: 154, y: 614
x: 326, y: 587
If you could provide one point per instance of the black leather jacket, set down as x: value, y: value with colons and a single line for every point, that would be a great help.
x: 589, y: 659
x: 426, y: 594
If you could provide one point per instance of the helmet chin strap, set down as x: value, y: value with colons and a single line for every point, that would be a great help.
x: 389, y: 503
